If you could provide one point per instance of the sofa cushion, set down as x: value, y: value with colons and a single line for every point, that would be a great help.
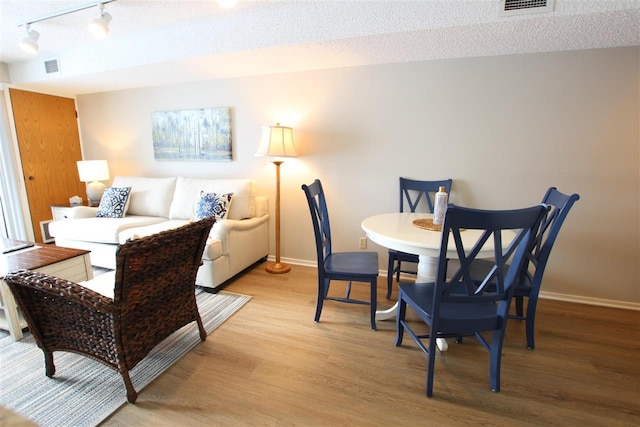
x: 188, y: 191
x: 149, y: 196
x: 148, y: 230
x: 100, y: 230
x: 103, y: 284
x: 114, y: 202
x: 212, y: 204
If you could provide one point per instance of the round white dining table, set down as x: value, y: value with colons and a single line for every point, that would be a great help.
x: 397, y: 231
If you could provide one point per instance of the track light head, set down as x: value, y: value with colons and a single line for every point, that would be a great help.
x: 30, y: 43
x: 100, y: 26
x: 227, y: 4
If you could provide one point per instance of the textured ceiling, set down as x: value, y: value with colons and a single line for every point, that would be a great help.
x: 155, y: 42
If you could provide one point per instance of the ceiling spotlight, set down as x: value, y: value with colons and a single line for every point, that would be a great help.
x: 227, y: 4
x: 100, y: 26
x: 30, y: 43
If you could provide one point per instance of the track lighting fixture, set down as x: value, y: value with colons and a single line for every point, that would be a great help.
x: 99, y: 26
x: 30, y: 43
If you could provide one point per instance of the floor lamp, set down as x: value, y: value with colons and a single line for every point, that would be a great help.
x: 277, y: 141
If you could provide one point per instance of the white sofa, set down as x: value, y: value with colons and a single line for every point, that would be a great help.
x: 157, y: 204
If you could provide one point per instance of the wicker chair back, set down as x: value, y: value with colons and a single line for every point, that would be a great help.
x: 154, y: 297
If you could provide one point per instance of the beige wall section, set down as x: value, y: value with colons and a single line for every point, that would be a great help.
x: 504, y: 128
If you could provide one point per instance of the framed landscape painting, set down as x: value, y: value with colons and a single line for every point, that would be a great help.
x: 203, y: 134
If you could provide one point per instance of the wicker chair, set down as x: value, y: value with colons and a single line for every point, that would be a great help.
x: 154, y: 296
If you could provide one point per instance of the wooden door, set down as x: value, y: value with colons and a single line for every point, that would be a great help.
x: 49, y: 143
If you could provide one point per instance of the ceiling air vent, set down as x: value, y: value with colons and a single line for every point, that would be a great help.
x: 525, y: 7
x: 51, y: 66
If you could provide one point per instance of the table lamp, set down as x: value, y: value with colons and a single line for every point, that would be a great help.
x: 277, y: 141
x: 91, y: 172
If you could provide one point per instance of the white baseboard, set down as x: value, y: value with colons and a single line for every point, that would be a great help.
x: 591, y: 301
x: 544, y: 295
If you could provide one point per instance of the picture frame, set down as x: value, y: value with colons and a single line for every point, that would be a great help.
x: 192, y: 135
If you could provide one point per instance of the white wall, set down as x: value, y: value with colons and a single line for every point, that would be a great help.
x: 4, y: 73
x: 504, y: 128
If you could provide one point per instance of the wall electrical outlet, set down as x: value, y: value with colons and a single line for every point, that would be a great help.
x: 363, y: 243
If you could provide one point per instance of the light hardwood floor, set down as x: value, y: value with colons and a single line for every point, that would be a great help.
x: 271, y: 365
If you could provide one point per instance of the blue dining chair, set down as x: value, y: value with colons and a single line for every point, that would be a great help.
x: 413, y: 195
x: 530, y: 281
x: 468, y: 304
x: 359, y: 266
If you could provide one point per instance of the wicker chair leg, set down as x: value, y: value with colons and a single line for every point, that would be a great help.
x: 50, y: 368
x: 203, y: 332
x: 132, y: 394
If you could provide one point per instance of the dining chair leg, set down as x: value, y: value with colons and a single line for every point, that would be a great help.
x: 374, y: 302
x: 431, y: 362
x: 400, y: 315
x: 530, y: 322
x: 495, y: 356
x: 322, y: 292
x: 519, y: 306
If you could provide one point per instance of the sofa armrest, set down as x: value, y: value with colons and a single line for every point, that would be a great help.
x: 221, y: 230
x: 262, y: 208
x: 82, y: 212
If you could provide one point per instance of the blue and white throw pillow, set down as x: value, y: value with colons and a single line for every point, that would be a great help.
x: 114, y: 202
x: 212, y: 204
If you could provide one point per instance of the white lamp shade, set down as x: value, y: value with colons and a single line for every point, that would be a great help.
x: 276, y: 141
x: 93, y: 170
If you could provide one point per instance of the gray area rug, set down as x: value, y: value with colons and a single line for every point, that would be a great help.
x: 84, y: 392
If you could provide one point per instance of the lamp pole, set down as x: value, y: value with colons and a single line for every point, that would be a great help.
x: 278, y: 267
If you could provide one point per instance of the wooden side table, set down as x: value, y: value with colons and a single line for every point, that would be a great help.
x: 65, y: 263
